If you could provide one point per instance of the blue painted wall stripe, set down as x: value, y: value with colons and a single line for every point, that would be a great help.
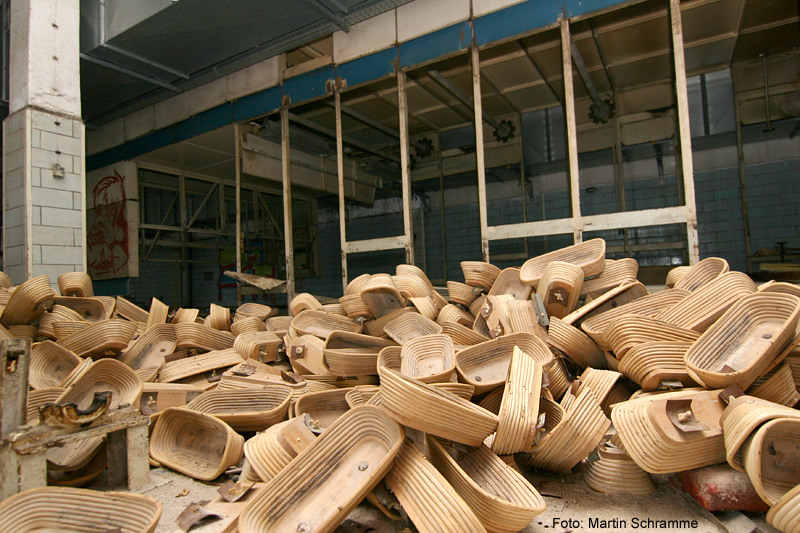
x: 500, y: 25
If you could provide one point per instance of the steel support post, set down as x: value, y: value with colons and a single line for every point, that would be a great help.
x: 237, y: 131
x: 572, y: 136
x: 405, y: 167
x: 479, y: 155
x: 286, y: 164
x: 685, y: 136
x: 340, y: 172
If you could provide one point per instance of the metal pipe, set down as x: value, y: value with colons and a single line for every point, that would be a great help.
x: 361, y: 117
x: 328, y: 14
x: 577, y: 58
x: 129, y: 72
x: 766, y: 95
x: 332, y: 134
x: 448, y: 86
x: 743, y: 186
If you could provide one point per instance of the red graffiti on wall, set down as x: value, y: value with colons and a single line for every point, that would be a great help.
x: 108, y: 229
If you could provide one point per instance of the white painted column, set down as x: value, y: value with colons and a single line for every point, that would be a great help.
x: 684, y: 130
x: 44, y: 185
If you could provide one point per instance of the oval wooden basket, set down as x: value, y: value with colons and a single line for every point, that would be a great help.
x: 614, y: 274
x: 675, y: 275
x: 705, y: 305
x: 501, y: 497
x: 479, y: 274
x: 302, y: 302
x: 24, y: 306
x: 650, y: 363
x: 461, y: 293
x: 519, y: 407
x: 433, y: 410
x: 701, y: 273
x: 58, y: 313
x: 462, y: 335
x: 588, y: 255
x: 50, y: 364
x: 324, y: 407
x: 254, y: 310
x: 411, y: 286
x: 427, y: 497
x: 778, y: 387
x: 354, y: 307
x: 770, y: 458
x: 198, y: 336
x: 150, y: 349
x: 410, y: 326
x: 578, y: 432
x: 743, y: 343
x: 321, y: 324
x: 248, y: 324
x: 375, y: 327
x: 629, y: 331
x: 196, y: 444
x: 485, y: 365
x: 785, y: 515
x: 270, y: 451
x: 70, y: 509
x: 617, y: 297
x: 197, y: 364
x: 575, y: 344
x: 661, y: 445
x: 743, y: 416
x: 245, y: 410
x: 75, y: 284
x: 318, y: 488
x: 614, y: 472
x: 509, y: 283
x: 430, y: 358
x: 103, y: 375
x: 381, y: 295
x: 353, y: 354
x: 648, y: 306
x: 560, y: 288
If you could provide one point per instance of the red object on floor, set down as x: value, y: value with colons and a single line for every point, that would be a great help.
x: 720, y: 488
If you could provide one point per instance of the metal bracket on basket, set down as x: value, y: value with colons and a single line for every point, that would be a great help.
x: 680, y: 414
x: 540, y: 311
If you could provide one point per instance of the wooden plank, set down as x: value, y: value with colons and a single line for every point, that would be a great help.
x: 41, y: 438
x: 117, y: 459
x: 32, y: 471
x: 259, y: 282
x: 138, y: 455
x: 9, y: 471
x: 15, y: 354
x: 237, y: 132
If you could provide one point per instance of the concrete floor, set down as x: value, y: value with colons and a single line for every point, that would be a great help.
x: 568, y: 499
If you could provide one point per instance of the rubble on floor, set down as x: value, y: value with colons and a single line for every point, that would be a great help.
x: 428, y: 406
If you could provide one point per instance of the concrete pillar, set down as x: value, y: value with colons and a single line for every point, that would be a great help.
x: 44, y: 182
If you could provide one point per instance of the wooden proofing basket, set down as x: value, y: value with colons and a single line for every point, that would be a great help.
x: 320, y: 487
x: 270, y: 451
x: 743, y: 343
x: 434, y: 410
x: 245, y: 410
x: 501, y: 497
x: 771, y: 458
x: 70, y: 509
x: 785, y: 515
x: 589, y: 256
x: 196, y: 444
